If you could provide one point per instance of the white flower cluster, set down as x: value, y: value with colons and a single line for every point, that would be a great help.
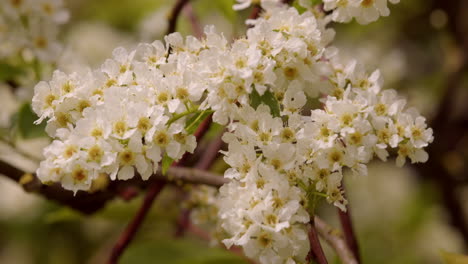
x: 280, y: 163
x: 31, y: 26
x: 364, y: 11
x: 283, y: 157
x: 122, y: 116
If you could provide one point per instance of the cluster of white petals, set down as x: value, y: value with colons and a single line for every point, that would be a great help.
x: 31, y: 26
x: 364, y: 11
x: 284, y: 153
x: 121, y: 117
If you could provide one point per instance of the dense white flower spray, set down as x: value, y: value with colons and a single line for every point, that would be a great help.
x: 31, y: 26
x: 142, y: 106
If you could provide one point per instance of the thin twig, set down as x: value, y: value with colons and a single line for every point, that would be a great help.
x: 89, y: 203
x: 183, y: 221
x: 316, y: 251
x: 204, y: 163
x: 210, y: 153
x: 132, y: 228
x: 194, y: 22
x: 348, y: 230
x: 257, y: 9
x: 196, y: 176
x: 334, y: 239
x: 175, y: 13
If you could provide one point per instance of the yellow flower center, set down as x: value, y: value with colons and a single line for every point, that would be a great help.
x: 95, y: 153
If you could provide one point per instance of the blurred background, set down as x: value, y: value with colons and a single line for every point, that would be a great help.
x: 405, y: 216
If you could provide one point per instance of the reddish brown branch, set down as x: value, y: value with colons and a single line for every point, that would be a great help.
x: 335, y: 240
x: 194, y: 22
x: 183, y: 221
x: 316, y: 251
x: 175, y: 13
x: 210, y: 154
x: 89, y: 203
x: 205, y: 162
x: 256, y: 10
x: 348, y: 230
x: 132, y: 228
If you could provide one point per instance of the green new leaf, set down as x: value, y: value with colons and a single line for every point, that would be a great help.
x: 452, y: 258
x: 301, y: 9
x: 25, y: 123
x: 268, y: 99
x: 166, y: 163
x: 9, y: 72
x: 192, y: 124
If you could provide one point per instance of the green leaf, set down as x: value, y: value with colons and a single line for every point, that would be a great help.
x: 125, y: 15
x: 225, y: 6
x: 192, y: 124
x: 170, y: 251
x: 301, y: 9
x: 206, y: 7
x: 268, y: 99
x: 255, y: 99
x: 9, y: 72
x: 25, y: 122
x: 62, y: 215
x: 452, y: 258
x: 166, y: 163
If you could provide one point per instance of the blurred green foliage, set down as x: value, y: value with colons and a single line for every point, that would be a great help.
x: 183, y: 251
x: 452, y: 258
x: 122, y: 14
x: 25, y: 122
x: 9, y: 72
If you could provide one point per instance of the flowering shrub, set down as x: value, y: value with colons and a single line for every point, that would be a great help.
x: 142, y: 106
